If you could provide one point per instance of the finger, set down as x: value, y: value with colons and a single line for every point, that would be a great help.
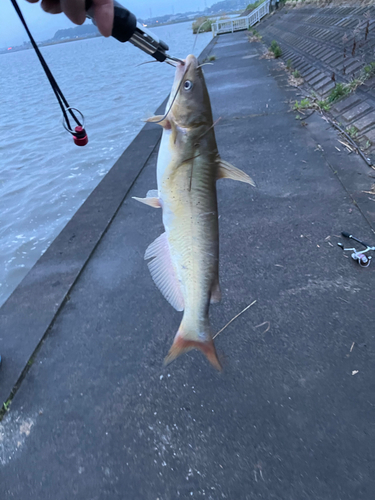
x: 104, y: 14
x: 51, y: 6
x: 74, y: 10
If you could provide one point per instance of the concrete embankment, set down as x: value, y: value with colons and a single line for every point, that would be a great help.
x: 97, y: 417
x: 30, y: 311
x: 328, y: 45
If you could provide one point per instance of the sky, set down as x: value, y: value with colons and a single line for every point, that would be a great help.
x: 43, y: 26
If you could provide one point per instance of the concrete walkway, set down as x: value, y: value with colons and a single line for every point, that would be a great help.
x: 97, y: 417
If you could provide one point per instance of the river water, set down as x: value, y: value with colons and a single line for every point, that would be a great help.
x: 44, y: 177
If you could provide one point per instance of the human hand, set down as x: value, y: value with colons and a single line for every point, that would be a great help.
x: 75, y: 11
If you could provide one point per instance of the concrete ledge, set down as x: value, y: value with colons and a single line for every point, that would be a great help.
x: 29, y: 312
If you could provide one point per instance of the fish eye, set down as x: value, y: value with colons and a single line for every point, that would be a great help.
x: 188, y: 85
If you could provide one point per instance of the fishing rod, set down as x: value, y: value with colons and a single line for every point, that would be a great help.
x: 125, y: 29
x: 358, y: 255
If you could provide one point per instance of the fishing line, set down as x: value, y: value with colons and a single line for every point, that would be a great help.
x: 231, y: 321
x: 146, y: 62
x: 212, y: 126
x: 205, y: 64
x: 175, y: 96
x: 196, y: 36
x: 79, y: 133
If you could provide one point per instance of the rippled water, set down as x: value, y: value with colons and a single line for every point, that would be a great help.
x: 44, y: 177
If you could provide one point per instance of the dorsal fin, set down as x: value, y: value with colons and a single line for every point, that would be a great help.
x: 228, y: 171
x: 163, y: 272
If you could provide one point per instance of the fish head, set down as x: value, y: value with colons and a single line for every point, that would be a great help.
x: 189, y: 102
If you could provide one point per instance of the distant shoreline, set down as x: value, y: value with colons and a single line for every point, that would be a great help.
x: 47, y: 43
x: 79, y: 38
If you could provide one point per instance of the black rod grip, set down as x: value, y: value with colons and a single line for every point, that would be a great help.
x: 347, y: 235
x: 124, y: 23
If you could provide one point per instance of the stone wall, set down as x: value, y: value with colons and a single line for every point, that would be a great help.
x: 329, y: 45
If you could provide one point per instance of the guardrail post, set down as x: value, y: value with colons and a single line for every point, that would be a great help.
x: 242, y: 22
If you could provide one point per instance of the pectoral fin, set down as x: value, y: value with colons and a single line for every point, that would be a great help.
x: 152, y: 199
x: 163, y: 272
x: 228, y: 171
x: 160, y: 120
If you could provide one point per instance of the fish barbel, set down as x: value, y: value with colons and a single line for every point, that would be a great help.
x: 184, y: 259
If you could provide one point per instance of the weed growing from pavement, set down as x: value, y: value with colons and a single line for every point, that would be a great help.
x: 311, y: 103
x: 369, y: 70
x: 304, y: 104
x: 340, y: 90
x: 255, y: 35
x: 276, y: 49
x: 324, y: 105
x: 5, y: 408
x: 352, y: 131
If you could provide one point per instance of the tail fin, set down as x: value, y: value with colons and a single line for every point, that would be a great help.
x: 181, y: 345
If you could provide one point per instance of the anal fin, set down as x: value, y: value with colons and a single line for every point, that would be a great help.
x: 228, y: 171
x: 215, y: 293
x: 163, y: 272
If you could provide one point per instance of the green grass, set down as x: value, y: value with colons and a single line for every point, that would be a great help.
x: 252, y: 6
x: 324, y: 105
x: 296, y: 74
x: 203, y: 24
x: 343, y: 89
x: 338, y: 92
x: 275, y: 48
x: 352, y: 131
x: 289, y: 64
x: 274, y: 44
x: 6, y: 405
x: 278, y: 52
x: 304, y: 104
x: 255, y: 33
x: 211, y: 58
x: 308, y: 103
x: 369, y: 70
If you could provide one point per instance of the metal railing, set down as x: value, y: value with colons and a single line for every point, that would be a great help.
x: 241, y: 23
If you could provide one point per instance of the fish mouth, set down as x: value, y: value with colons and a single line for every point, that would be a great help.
x: 181, y: 69
x: 190, y: 62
